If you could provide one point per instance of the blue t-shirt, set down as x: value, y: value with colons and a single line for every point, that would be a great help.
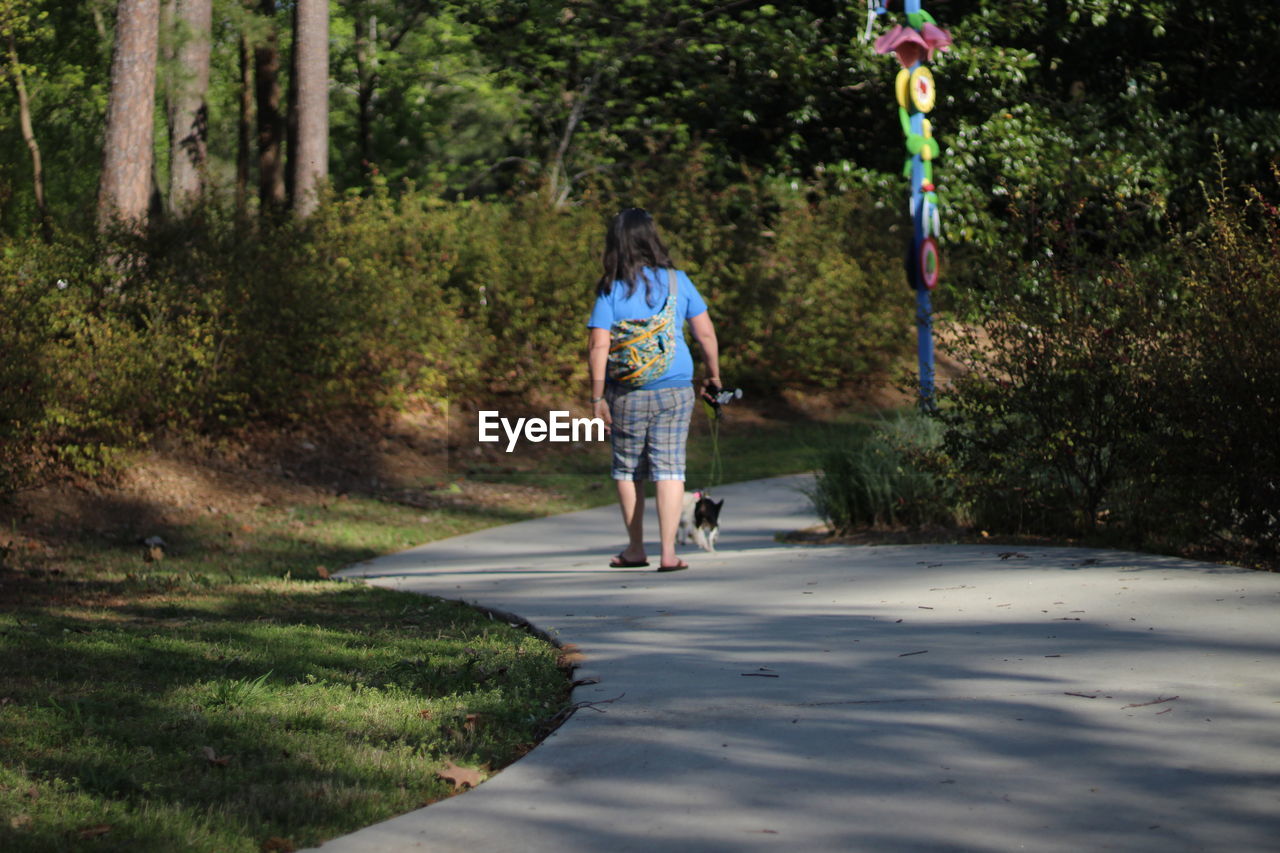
x: 616, y: 305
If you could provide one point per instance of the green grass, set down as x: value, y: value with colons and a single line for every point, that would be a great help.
x: 226, y: 698
x: 286, y: 709
x: 333, y: 704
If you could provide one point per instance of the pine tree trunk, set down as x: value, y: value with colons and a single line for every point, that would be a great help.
x: 125, y: 187
x: 189, y: 120
x: 271, y: 128
x: 310, y: 160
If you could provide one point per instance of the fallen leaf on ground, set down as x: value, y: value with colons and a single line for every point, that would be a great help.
x: 277, y: 845
x: 94, y: 831
x: 460, y: 777
x: 213, y: 757
x: 570, y: 656
x: 322, y: 572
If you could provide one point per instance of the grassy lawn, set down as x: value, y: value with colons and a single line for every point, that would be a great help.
x: 224, y: 696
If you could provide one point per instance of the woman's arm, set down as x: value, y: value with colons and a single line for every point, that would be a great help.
x: 704, y: 332
x: 597, y: 361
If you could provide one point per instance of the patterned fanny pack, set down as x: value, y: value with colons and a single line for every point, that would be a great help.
x: 641, y: 351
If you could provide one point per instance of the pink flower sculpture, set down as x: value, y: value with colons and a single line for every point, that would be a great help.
x: 910, y: 46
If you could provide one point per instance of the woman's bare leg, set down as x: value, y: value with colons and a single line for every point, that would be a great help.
x: 631, y: 500
x: 670, y: 504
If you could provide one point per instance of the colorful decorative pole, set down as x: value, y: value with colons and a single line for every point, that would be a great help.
x: 913, y: 45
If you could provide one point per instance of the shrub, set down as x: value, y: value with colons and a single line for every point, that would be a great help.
x: 1217, y: 455
x: 823, y: 302
x: 526, y: 278
x: 1056, y: 406
x: 69, y: 362
x: 25, y: 295
x: 883, y: 479
x: 1136, y: 396
x: 206, y: 325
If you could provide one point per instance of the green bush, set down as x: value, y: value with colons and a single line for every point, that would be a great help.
x: 70, y: 362
x: 1217, y: 455
x: 883, y: 479
x: 823, y: 303
x: 25, y: 297
x: 526, y: 276
x: 1135, y: 397
x: 1058, y: 401
x: 208, y: 324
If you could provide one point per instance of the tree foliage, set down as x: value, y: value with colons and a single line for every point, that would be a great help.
x: 472, y: 98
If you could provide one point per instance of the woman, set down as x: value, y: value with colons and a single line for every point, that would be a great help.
x: 648, y: 425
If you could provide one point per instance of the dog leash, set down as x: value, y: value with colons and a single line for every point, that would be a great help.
x: 713, y: 405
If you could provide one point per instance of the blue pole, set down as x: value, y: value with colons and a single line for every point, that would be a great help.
x: 924, y: 304
x: 924, y: 346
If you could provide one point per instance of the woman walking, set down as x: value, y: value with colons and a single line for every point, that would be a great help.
x: 647, y: 404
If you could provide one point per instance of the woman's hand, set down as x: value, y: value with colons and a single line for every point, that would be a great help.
x: 600, y: 409
x: 711, y: 387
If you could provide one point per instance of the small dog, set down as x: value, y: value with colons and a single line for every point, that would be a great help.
x: 699, y: 521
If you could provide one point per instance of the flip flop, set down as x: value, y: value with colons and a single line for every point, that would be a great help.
x: 678, y: 567
x: 621, y: 562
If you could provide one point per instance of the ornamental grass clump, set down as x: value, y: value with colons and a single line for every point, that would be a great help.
x: 882, y: 479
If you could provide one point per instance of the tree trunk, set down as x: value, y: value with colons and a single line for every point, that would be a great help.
x: 367, y: 83
x: 125, y: 187
x: 560, y: 184
x: 189, y: 119
x: 291, y: 111
x: 310, y: 160
x: 245, y: 135
x: 98, y: 21
x: 271, y: 192
x: 29, y: 136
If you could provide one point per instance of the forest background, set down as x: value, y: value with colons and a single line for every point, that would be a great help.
x: 1104, y: 183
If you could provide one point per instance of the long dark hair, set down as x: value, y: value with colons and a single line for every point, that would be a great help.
x: 631, y: 244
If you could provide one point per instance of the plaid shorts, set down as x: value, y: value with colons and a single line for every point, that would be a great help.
x: 650, y: 429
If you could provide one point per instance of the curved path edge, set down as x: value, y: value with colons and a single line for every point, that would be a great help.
x: 896, y: 698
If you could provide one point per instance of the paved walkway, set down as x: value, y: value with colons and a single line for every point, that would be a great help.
x: 930, y: 698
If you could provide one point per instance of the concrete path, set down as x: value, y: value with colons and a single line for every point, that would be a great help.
x: 930, y: 698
